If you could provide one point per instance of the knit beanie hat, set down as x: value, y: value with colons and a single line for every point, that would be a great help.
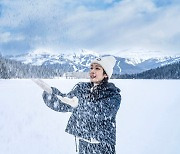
x: 107, y: 62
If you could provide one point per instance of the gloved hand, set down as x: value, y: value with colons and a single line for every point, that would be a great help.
x: 71, y: 101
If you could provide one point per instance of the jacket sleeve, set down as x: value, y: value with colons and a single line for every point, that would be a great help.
x: 53, y: 101
x: 108, y: 107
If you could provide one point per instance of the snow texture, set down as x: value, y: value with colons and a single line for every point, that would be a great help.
x: 147, y: 121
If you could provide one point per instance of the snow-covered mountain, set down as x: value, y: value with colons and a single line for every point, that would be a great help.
x: 79, y: 62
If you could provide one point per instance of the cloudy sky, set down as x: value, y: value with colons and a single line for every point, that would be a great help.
x: 104, y: 26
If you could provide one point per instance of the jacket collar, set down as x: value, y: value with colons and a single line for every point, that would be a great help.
x: 103, y: 90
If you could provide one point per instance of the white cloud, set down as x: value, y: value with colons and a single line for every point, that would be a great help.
x: 7, y: 37
x: 73, y: 24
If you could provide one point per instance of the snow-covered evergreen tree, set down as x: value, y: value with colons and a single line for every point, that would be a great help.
x: 3, y: 69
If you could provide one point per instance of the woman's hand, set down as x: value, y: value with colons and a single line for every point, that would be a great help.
x: 70, y: 101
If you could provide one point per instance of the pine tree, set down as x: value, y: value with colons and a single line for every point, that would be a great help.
x: 3, y: 69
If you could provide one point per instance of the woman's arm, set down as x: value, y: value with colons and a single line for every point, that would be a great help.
x: 52, y: 101
x: 61, y: 102
x: 108, y: 107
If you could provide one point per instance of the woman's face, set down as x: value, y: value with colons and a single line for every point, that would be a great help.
x: 96, y: 73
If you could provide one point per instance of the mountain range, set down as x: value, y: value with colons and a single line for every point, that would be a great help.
x: 80, y: 62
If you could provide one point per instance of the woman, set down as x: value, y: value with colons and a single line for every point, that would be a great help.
x: 94, y: 106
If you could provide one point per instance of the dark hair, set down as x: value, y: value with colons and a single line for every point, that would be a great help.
x: 105, y: 79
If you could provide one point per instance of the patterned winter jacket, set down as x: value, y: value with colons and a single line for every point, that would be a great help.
x: 95, y: 115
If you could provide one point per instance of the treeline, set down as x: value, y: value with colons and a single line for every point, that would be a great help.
x: 14, y: 69
x: 171, y: 71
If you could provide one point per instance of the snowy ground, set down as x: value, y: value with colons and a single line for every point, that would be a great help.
x: 148, y: 121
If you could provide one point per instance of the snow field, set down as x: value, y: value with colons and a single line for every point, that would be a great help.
x: 147, y: 121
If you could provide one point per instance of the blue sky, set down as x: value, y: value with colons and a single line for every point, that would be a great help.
x: 104, y: 26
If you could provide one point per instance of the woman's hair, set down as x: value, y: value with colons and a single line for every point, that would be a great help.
x: 105, y: 80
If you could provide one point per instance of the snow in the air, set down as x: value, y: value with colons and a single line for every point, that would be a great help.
x: 147, y: 122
